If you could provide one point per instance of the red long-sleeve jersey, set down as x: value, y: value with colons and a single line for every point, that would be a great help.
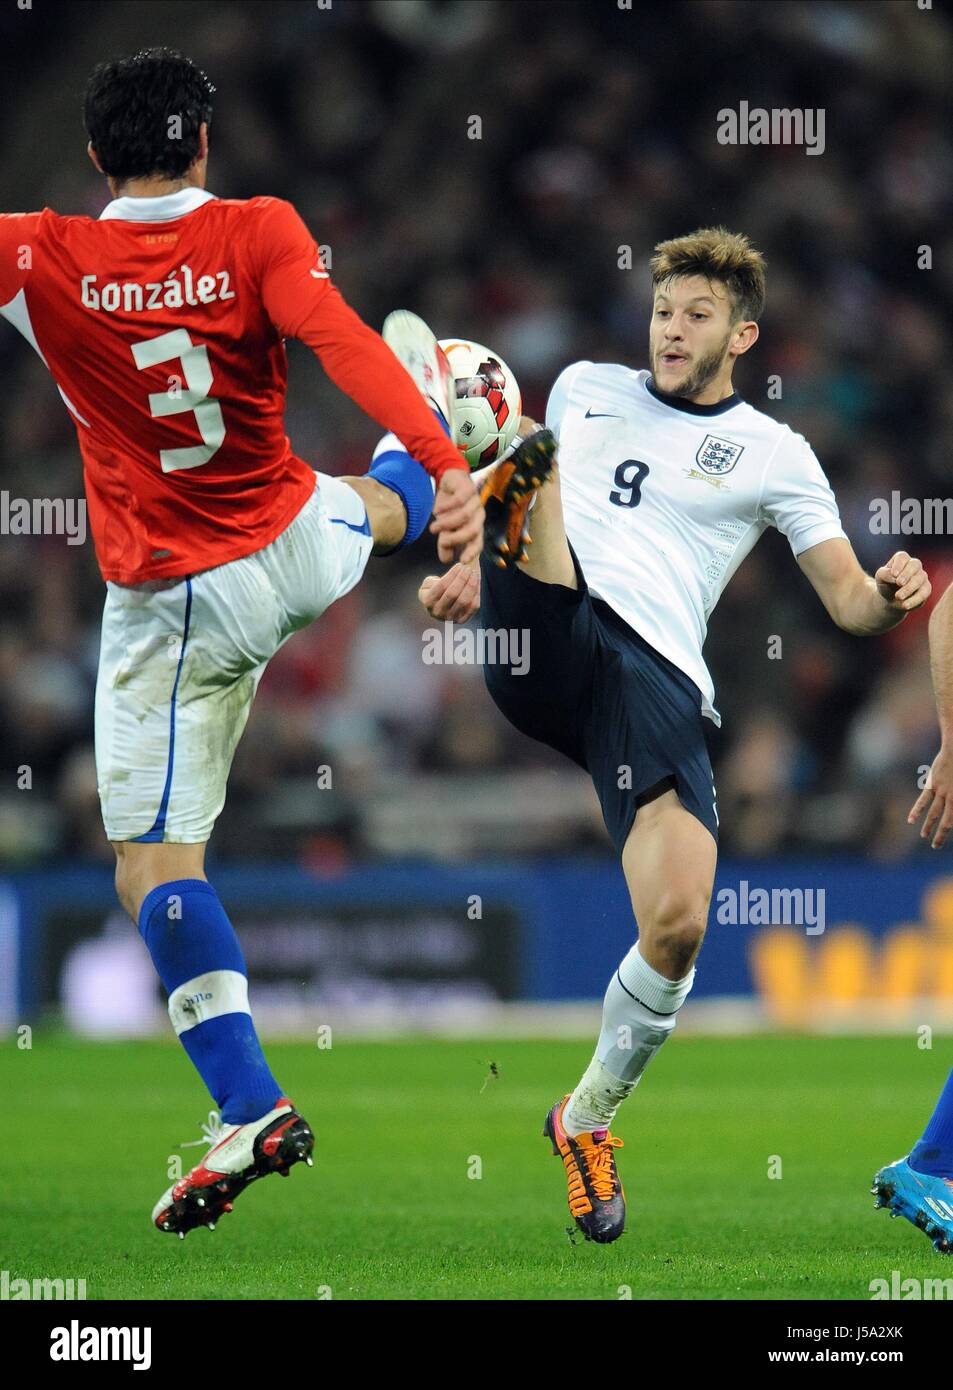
x: 162, y: 325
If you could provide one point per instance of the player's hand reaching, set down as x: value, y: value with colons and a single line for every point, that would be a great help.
x: 453, y: 597
x: 903, y: 582
x: 937, y: 800
x: 457, y: 518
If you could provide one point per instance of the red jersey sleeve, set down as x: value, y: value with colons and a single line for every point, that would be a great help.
x: 301, y: 302
x: 17, y: 248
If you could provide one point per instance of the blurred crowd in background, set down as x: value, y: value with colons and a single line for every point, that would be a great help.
x: 598, y: 133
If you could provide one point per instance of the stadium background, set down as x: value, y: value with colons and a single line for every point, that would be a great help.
x: 452, y: 863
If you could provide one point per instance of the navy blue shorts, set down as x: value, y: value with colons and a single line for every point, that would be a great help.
x: 598, y: 692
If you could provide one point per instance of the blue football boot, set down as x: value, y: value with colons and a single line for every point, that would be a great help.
x: 926, y: 1201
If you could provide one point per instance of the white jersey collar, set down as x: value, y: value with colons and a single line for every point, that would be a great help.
x: 161, y: 209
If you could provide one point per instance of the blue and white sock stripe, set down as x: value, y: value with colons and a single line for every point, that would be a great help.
x: 208, y: 996
x: 157, y: 832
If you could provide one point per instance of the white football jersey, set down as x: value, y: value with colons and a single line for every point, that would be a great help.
x: 663, y: 500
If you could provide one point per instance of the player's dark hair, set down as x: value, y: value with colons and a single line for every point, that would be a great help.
x: 143, y: 113
x: 716, y: 254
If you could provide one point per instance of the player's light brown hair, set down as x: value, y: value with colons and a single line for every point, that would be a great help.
x: 716, y: 254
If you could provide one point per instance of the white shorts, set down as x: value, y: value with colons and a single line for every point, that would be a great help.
x: 179, y: 667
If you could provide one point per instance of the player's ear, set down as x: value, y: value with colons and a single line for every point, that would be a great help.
x: 93, y: 155
x: 745, y: 336
x: 203, y: 140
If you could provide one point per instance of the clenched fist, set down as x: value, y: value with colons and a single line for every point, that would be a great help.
x: 453, y: 597
x: 903, y: 582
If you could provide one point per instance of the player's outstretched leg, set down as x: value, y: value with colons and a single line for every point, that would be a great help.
x: 669, y: 863
x: 508, y: 491
x: 199, y: 961
x: 920, y: 1186
x: 398, y: 495
x: 397, y: 492
x: 411, y: 340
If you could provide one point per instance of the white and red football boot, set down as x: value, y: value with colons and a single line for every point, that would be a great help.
x: 410, y: 339
x: 238, y: 1154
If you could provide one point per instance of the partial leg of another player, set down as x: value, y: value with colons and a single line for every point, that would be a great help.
x: 141, y: 866
x: 548, y: 558
x: 669, y: 864
x: 387, y: 513
x: 179, y: 668
x: 172, y: 696
x: 398, y: 496
x: 518, y: 488
x: 198, y: 958
x: 197, y: 955
x: 920, y: 1186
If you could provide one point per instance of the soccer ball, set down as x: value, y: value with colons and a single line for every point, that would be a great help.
x: 489, y: 404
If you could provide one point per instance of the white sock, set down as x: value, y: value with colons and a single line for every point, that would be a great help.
x: 638, y: 1014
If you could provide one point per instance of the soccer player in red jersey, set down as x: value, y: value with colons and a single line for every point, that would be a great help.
x: 162, y: 324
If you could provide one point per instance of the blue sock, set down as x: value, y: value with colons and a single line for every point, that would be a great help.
x: 933, y: 1153
x: 196, y: 952
x: 395, y: 468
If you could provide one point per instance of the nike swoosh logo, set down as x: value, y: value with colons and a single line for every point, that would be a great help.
x: 320, y: 274
x: 600, y: 415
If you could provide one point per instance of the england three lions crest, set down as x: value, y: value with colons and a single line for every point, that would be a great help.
x: 718, y: 455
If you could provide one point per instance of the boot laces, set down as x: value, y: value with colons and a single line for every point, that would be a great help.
x: 599, y: 1165
x: 212, y: 1132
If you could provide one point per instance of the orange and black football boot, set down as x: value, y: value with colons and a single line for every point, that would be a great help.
x: 507, y: 493
x: 596, y: 1198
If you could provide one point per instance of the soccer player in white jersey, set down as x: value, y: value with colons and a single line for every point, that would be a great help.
x: 666, y: 480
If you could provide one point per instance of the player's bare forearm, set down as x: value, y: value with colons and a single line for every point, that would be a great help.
x: 935, y: 802
x: 457, y: 518
x: 868, y: 612
x: 941, y: 663
x: 864, y: 604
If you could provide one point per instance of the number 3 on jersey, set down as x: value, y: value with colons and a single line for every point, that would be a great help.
x: 628, y: 483
x: 198, y: 382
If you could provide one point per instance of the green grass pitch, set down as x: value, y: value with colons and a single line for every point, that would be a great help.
x: 391, y: 1211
